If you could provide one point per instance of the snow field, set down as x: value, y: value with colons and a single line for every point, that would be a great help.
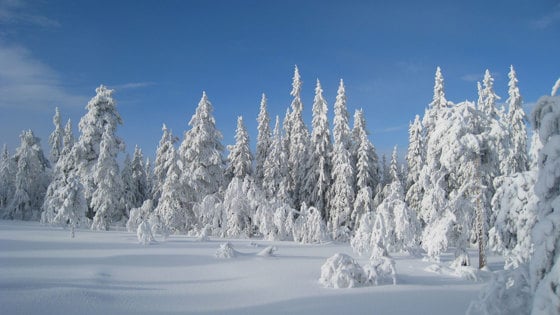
x: 44, y: 271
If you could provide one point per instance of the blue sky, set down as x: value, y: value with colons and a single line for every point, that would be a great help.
x: 161, y: 55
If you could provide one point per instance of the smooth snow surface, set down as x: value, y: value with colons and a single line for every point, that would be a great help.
x: 44, y: 271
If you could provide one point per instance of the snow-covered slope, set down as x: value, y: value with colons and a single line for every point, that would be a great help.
x: 44, y: 271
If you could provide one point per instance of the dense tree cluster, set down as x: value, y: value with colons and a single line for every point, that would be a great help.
x: 468, y: 180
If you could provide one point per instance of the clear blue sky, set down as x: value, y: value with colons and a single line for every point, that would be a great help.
x: 161, y: 55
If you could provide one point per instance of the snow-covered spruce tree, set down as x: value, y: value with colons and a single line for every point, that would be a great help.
x: 128, y: 186
x: 361, y: 240
x: 201, y: 153
x: 264, y: 141
x: 101, y: 112
x: 55, y: 139
x: 7, y: 177
x: 275, y: 181
x: 238, y: 210
x: 415, y: 162
x: 384, y: 173
x: 173, y: 210
x: 68, y: 139
x: 434, y: 110
x: 433, y: 196
x: 31, y: 180
x: 65, y: 202
x: 494, y: 142
x: 148, y: 170
x: 458, y: 203
x: 367, y: 177
x: 342, y: 192
x: 309, y: 227
x: 211, y: 216
x: 544, y: 267
x: 530, y: 287
x: 240, y: 158
x: 298, y: 143
x: 367, y: 171
x: 517, y: 159
x: 515, y: 205
x: 401, y: 226
x: 318, y: 166
x: 162, y: 163
x: 139, y: 179
x: 106, y: 199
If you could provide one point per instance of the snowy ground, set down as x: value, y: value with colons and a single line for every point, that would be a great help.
x: 44, y: 271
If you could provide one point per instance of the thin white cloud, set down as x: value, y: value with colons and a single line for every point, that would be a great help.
x: 393, y: 128
x: 17, y: 12
x: 132, y: 85
x: 26, y: 82
x: 477, y: 77
x: 548, y: 19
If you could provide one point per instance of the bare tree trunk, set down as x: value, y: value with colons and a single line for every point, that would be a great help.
x: 480, y: 231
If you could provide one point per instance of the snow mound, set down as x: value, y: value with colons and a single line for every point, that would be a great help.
x: 226, y: 251
x: 381, y: 270
x: 464, y: 272
x: 508, y: 292
x: 144, y: 233
x: 342, y: 271
x: 267, y: 252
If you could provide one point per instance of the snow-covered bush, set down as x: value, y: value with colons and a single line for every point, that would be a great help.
x: 507, y: 293
x: 226, y: 251
x: 138, y: 215
x: 144, y: 233
x: 381, y: 270
x: 342, y: 271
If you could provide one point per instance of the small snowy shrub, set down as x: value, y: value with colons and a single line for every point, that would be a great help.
x: 342, y: 271
x: 137, y: 215
x: 226, y: 251
x: 267, y: 252
x: 381, y: 270
x: 144, y: 233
